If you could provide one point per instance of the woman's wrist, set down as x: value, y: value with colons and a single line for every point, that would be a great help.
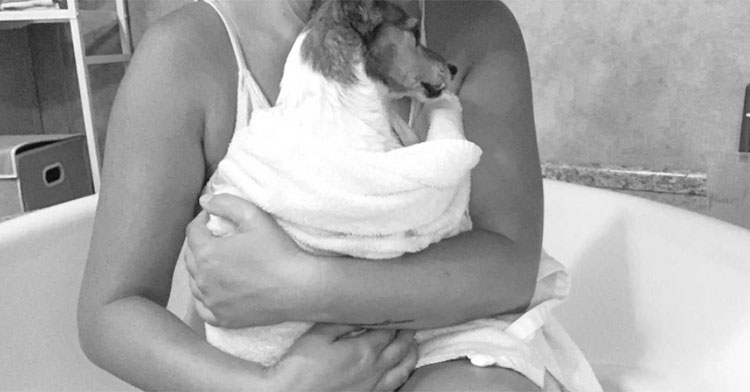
x: 330, y: 299
x: 476, y: 274
x: 311, y: 285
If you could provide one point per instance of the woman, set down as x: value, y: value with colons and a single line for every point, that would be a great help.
x: 173, y: 119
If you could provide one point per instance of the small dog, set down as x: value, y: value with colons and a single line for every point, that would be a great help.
x: 352, y: 61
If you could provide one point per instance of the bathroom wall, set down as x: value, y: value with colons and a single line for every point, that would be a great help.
x: 655, y: 85
x: 649, y: 84
x: 644, y: 87
x: 633, y: 96
x: 636, y: 83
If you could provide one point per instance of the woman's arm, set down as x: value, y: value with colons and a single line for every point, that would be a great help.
x: 493, y: 268
x: 152, y: 175
x: 487, y: 271
x: 153, y: 172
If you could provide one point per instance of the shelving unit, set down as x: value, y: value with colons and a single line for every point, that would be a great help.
x: 71, y: 16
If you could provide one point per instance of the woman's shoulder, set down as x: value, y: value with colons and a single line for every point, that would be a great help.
x: 478, y: 26
x: 184, y: 64
x: 190, y: 39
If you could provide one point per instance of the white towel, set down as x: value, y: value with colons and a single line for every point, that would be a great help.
x: 336, y: 200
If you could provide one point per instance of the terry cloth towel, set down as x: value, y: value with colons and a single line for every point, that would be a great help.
x: 365, y: 204
x: 336, y: 200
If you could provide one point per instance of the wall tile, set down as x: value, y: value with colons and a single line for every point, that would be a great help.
x: 638, y: 83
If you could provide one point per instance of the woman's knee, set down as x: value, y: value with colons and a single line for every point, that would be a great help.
x: 461, y: 375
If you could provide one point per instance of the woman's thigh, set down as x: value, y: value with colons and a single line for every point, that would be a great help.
x: 461, y: 375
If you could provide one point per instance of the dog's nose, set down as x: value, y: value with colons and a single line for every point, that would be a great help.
x: 453, y: 70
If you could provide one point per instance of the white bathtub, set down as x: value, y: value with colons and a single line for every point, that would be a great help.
x: 661, y: 297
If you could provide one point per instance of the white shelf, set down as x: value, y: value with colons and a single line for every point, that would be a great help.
x: 71, y: 17
x: 107, y: 59
x: 38, y: 16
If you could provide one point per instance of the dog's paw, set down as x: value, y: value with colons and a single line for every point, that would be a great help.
x: 447, y: 106
x: 446, y: 120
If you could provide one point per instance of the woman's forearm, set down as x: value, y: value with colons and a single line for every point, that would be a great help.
x: 143, y: 344
x: 475, y: 274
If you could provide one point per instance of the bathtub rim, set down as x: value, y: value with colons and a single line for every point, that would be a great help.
x: 39, y: 222
x: 83, y: 208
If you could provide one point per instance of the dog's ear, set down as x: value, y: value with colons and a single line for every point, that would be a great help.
x: 363, y: 15
x: 314, y: 7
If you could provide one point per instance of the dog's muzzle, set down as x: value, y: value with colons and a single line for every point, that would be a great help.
x: 433, y: 90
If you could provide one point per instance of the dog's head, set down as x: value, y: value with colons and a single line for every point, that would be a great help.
x: 381, y: 36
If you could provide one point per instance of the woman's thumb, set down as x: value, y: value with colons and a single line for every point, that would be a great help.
x: 230, y: 207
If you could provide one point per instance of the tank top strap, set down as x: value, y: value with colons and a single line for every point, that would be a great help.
x: 415, y: 106
x: 249, y: 91
x: 236, y: 48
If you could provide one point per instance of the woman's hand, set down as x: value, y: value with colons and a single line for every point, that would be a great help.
x: 255, y: 276
x: 325, y: 359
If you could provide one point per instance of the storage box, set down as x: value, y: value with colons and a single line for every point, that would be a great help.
x: 38, y: 171
x: 728, y: 187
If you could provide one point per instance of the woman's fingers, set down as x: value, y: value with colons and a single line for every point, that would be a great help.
x: 343, y: 358
x: 200, y: 307
x: 197, y: 237
x: 205, y: 313
x: 399, y: 358
x: 373, y: 341
x: 190, y: 263
x: 399, y: 374
x: 397, y: 349
x: 194, y: 289
x: 377, y: 339
x: 197, y: 233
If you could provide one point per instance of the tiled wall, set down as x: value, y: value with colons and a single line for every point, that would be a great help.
x: 628, y: 93
x: 653, y: 84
